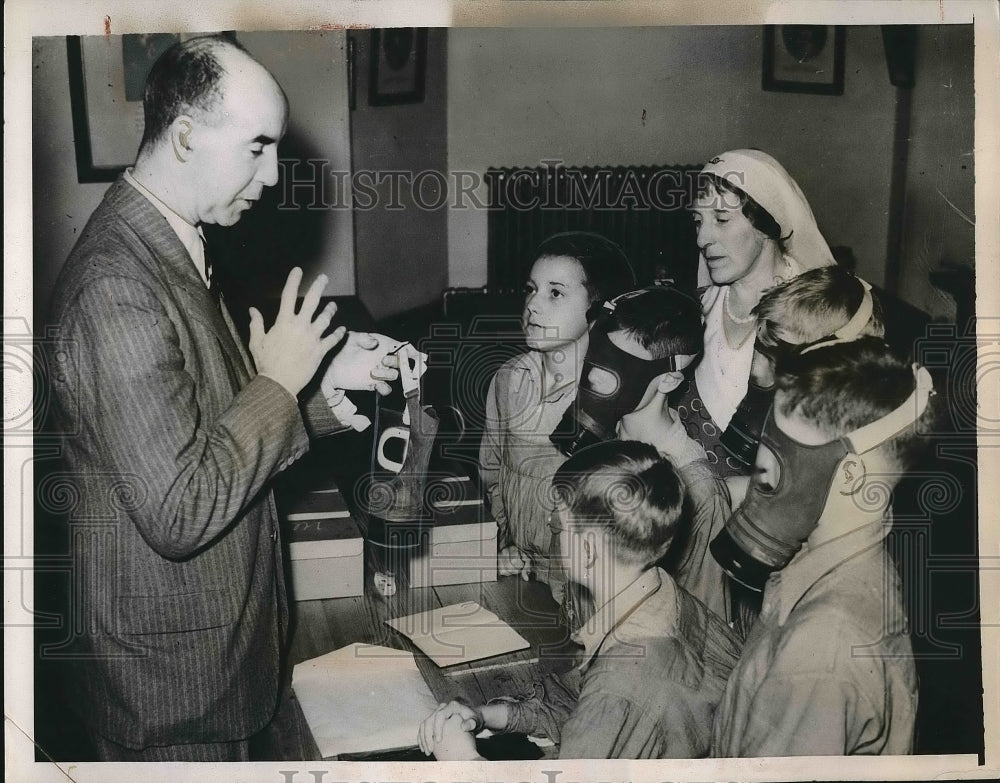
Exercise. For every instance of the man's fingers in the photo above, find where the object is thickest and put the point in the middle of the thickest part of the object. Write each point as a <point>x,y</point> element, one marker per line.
<point>256,325</point>
<point>332,339</point>
<point>365,340</point>
<point>382,373</point>
<point>290,293</point>
<point>311,300</point>
<point>322,321</point>
<point>383,388</point>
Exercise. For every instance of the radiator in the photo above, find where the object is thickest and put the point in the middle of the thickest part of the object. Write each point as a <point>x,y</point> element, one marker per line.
<point>642,208</point>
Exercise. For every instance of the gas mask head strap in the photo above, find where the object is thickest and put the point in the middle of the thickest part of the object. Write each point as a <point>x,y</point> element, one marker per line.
<point>611,304</point>
<point>857,322</point>
<point>893,423</point>
<point>673,363</point>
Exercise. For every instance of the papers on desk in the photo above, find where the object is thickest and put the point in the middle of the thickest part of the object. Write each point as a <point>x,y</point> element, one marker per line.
<point>459,633</point>
<point>362,698</point>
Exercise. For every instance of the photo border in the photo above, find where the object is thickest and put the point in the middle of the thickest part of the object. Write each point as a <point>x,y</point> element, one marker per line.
<point>22,22</point>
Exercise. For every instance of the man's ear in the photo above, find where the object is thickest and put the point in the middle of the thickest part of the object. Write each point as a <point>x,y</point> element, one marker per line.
<point>180,137</point>
<point>850,474</point>
<point>588,544</point>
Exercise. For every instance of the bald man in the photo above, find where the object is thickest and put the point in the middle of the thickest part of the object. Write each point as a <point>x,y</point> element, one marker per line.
<point>179,430</point>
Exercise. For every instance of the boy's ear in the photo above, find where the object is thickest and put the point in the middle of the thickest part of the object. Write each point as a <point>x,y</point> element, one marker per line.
<point>670,381</point>
<point>595,311</point>
<point>850,475</point>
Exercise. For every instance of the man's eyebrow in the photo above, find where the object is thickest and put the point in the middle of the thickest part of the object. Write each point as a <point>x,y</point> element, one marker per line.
<point>262,139</point>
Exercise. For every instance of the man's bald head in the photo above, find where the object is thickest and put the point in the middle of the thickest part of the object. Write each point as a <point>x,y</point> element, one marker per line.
<point>189,79</point>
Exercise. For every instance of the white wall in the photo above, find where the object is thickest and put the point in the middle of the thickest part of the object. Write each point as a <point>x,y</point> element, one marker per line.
<point>61,206</point>
<point>667,95</point>
<point>310,67</point>
<point>401,253</point>
<point>940,167</point>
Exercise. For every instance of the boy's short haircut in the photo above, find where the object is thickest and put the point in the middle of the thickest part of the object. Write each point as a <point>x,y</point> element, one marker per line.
<point>604,263</point>
<point>663,320</point>
<point>844,386</point>
<point>627,488</point>
<point>812,306</point>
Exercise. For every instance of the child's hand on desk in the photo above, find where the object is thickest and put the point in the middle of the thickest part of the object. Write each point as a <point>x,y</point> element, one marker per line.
<point>456,744</point>
<point>511,560</point>
<point>453,718</point>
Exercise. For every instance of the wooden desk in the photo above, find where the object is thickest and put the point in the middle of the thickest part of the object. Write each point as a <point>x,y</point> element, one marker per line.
<point>325,625</point>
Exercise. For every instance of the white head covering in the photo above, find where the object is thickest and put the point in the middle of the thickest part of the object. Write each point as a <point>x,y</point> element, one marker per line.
<point>765,180</point>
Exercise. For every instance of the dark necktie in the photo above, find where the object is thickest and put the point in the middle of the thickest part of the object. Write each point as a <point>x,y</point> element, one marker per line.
<point>213,280</point>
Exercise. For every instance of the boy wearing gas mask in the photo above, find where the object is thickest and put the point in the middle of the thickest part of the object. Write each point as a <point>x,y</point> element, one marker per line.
<point>641,337</point>
<point>828,667</point>
<point>818,305</point>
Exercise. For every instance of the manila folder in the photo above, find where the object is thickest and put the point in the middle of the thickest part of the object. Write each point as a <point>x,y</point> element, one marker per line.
<point>459,633</point>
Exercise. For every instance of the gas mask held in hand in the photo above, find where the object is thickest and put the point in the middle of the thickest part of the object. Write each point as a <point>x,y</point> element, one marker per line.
<point>612,383</point>
<point>766,531</point>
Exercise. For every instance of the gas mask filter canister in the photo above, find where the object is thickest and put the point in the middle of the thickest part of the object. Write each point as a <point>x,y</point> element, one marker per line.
<point>742,435</point>
<point>766,531</point>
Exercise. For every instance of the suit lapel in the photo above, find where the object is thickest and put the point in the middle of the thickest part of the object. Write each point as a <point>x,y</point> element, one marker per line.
<point>175,264</point>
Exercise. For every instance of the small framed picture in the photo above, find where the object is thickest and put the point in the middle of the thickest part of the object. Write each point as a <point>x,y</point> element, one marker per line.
<point>352,67</point>
<point>805,58</point>
<point>107,77</point>
<point>398,65</point>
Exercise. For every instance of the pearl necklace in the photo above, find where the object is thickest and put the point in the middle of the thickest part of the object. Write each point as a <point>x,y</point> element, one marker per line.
<point>748,319</point>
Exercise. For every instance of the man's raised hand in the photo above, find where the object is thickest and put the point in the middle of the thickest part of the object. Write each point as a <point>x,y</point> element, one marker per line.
<point>291,350</point>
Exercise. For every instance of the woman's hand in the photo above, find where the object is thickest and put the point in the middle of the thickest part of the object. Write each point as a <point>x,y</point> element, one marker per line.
<point>432,729</point>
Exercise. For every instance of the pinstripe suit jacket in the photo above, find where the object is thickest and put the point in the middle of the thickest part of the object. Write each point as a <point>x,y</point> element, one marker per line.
<point>174,443</point>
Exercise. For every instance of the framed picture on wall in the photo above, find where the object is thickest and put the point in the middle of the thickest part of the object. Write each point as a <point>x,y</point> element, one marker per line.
<point>107,75</point>
<point>806,58</point>
<point>106,78</point>
<point>398,65</point>
<point>352,67</point>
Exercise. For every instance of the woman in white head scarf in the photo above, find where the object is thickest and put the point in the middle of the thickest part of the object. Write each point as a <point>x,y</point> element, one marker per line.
<point>755,229</point>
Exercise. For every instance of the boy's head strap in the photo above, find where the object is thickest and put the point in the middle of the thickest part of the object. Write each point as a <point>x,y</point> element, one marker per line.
<point>857,322</point>
<point>893,423</point>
